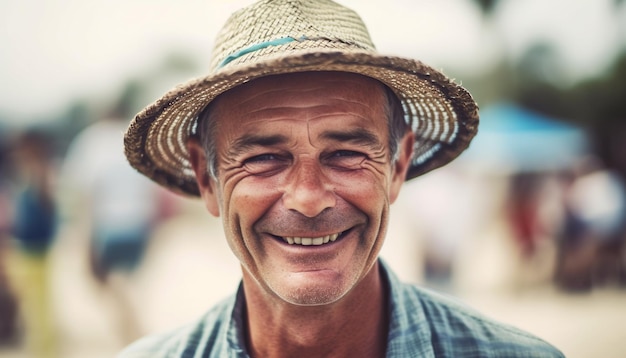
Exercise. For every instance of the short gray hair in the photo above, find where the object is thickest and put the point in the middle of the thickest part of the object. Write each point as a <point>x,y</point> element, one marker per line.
<point>397,125</point>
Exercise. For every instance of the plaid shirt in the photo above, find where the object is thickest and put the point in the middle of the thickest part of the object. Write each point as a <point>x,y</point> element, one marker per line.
<point>422,324</point>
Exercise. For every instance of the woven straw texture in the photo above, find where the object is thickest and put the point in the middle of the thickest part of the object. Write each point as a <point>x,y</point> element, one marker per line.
<point>283,36</point>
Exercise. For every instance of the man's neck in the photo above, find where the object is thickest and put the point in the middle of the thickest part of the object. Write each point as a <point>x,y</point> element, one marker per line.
<point>355,326</point>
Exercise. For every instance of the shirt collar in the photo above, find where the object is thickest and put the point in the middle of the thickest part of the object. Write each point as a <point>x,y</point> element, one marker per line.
<point>409,332</point>
<point>235,335</point>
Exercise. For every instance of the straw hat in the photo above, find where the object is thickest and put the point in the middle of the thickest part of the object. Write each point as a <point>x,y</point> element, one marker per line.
<point>282,36</point>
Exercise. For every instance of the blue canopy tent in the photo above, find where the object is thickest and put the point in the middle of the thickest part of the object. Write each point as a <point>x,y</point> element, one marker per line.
<point>513,139</point>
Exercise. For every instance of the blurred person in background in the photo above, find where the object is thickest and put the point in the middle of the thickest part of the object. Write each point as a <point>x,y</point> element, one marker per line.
<point>523,207</point>
<point>33,227</point>
<point>592,242</point>
<point>300,139</point>
<point>118,210</point>
<point>8,304</point>
<point>534,216</point>
<point>449,192</point>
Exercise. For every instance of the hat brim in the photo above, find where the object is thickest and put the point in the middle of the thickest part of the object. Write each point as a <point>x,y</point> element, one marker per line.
<point>442,114</point>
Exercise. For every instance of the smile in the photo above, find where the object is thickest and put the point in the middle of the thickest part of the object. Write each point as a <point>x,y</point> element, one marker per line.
<point>311,241</point>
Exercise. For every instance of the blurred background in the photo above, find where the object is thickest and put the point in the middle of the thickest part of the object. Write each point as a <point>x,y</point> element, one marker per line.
<point>528,225</point>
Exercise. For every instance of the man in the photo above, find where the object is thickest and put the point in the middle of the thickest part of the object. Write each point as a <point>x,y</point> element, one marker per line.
<point>300,139</point>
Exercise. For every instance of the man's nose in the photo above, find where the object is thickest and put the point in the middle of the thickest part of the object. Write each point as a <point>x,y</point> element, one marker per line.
<point>308,190</point>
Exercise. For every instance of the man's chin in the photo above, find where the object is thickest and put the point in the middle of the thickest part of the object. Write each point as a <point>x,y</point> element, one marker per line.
<point>312,296</point>
<point>313,288</point>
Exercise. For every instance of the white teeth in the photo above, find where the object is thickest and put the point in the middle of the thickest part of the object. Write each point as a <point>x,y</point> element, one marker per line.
<point>308,241</point>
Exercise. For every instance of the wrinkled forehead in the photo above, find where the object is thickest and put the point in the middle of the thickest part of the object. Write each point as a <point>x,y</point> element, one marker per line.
<point>292,88</point>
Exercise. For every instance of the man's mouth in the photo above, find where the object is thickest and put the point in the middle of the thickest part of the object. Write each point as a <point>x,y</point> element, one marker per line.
<point>310,241</point>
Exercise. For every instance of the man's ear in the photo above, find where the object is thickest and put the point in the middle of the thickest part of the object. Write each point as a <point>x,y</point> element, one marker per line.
<point>205,182</point>
<point>401,165</point>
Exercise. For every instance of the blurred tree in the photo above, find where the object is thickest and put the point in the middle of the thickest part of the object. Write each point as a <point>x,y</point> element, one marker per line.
<point>597,104</point>
<point>487,6</point>
<point>77,116</point>
<point>541,63</point>
<point>129,101</point>
<point>178,62</point>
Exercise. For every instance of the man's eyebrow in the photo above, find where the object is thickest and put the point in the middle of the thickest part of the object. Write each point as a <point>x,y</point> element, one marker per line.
<point>248,141</point>
<point>356,136</point>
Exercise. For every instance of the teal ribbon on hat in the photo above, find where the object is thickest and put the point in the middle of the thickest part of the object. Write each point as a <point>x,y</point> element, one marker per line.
<point>256,47</point>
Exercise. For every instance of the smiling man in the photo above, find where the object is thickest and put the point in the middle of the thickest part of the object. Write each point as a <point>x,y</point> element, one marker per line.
<point>300,139</point>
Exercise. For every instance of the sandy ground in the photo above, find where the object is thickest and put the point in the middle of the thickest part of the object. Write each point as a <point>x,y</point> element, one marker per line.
<point>188,267</point>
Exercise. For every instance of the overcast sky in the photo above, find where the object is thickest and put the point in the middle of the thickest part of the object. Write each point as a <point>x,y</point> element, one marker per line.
<point>53,51</point>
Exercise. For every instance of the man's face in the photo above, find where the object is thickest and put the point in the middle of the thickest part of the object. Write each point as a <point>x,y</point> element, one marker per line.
<point>304,181</point>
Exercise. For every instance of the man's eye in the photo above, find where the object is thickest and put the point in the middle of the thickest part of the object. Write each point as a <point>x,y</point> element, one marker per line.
<point>265,163</point>
<point>347,153</point>
<point>346,159</point>
<point>261,158</point>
